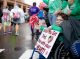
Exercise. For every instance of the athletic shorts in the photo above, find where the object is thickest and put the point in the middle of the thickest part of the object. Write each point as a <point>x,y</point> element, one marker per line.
<point>16,20</point>
<point>7,23</point>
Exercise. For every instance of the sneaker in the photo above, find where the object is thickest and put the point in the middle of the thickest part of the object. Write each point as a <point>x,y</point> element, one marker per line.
<point>4,33</point>
<point>16,34</point>
<point>1,50</point>
<point>10,32</point>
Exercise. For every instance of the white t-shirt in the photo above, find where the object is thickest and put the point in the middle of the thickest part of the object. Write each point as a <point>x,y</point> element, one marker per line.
<point>6,15</point>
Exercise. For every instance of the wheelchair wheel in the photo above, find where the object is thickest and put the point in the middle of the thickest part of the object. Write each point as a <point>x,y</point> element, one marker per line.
<point>60,52</point>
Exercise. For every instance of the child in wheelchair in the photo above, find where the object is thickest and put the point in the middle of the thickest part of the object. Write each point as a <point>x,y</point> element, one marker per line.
<point>73,51</point>
<point>56,27</point>
<point>63,53</point>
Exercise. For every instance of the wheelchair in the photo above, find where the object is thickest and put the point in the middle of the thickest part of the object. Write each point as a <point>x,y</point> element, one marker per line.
<point>59,52</point>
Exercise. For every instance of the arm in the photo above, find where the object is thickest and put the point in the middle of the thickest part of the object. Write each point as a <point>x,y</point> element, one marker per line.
<point>53,27</point>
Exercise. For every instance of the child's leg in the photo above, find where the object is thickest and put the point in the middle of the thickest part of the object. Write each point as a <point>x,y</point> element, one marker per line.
<point>4,27</point>
<point>9,27</point>
<point>32,30</point>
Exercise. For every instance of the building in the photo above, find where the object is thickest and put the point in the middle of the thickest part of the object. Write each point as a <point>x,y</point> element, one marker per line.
<point>11,3</point>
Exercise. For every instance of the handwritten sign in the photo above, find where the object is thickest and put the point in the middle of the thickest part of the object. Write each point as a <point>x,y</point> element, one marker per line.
<point>46,42</point>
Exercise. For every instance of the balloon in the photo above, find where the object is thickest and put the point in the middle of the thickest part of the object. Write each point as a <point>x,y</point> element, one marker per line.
<point>42,5</point>
<point>33,19</point>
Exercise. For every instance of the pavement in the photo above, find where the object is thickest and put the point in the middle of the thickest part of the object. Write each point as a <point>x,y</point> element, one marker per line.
<point>28,53</point>
<point>1,50</point>
<point>15,47</point>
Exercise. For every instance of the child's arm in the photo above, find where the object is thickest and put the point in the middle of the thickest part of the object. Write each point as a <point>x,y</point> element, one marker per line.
<point>53,27</point>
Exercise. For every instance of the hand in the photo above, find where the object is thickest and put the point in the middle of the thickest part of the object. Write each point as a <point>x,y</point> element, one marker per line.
<point>47,30</point>
<point>69,12</point>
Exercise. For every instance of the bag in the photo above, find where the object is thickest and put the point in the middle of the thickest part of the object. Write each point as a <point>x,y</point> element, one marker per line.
<point>16,15</point>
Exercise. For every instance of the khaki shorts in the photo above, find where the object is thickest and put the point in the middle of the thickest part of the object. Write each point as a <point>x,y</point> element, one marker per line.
<point>7,23</point>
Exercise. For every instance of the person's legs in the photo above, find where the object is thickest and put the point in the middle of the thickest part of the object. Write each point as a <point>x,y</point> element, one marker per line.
<point>16,21</point>
<point>17,29</point>
<point>32,30</point>
<point>0,26</point>
<point>4,27</point>
<point>0,23</point>
<point>9,27</point>
<point>52,18</point>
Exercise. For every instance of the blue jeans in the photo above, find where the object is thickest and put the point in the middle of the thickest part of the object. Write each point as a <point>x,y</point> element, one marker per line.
<point>52,18</point>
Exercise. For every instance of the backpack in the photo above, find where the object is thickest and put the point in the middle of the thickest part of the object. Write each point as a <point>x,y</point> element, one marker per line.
<point>5,15</point>
<point>16,15</point>
<point>33,19</point>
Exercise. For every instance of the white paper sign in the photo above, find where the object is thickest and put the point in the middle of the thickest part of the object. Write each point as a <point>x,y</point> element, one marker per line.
<point>46,42</point>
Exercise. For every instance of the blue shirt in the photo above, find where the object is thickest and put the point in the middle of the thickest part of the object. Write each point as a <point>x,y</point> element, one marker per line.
<point>41,14</point>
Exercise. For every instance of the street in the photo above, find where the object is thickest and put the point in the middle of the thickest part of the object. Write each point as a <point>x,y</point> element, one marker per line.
<point>15,46</point>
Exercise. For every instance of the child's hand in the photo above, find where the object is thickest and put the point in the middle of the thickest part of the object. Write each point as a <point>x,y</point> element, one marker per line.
<point>47,30</point>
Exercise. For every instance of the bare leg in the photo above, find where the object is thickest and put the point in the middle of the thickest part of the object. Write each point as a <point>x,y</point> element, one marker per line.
<point>17,29</point>
<point>0,26</point>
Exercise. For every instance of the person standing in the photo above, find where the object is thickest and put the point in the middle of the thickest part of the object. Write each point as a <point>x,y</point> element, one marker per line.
<point>54,7</point>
